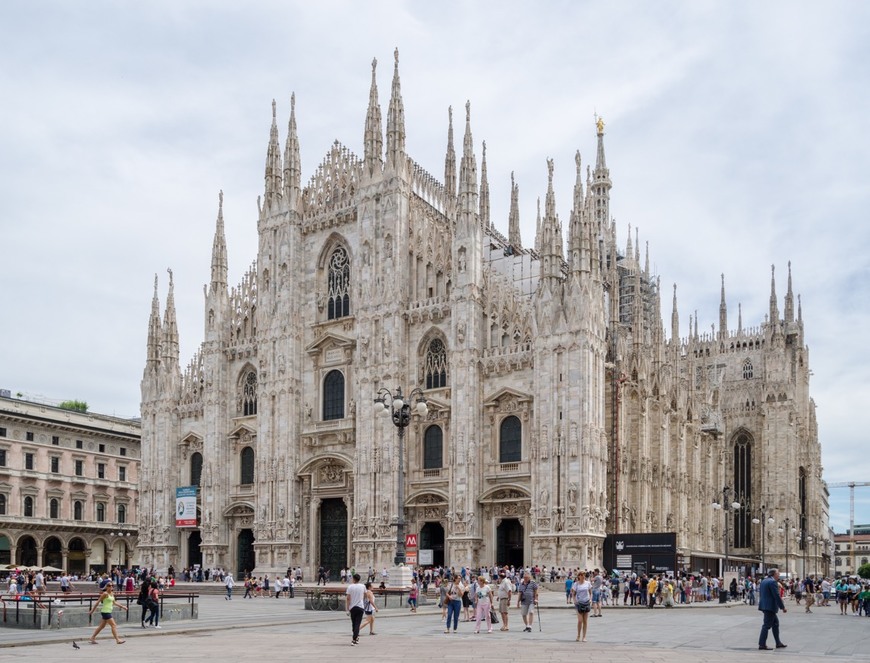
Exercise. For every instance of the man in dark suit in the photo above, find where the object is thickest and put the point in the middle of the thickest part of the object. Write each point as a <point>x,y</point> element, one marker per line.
<point>769,602</point>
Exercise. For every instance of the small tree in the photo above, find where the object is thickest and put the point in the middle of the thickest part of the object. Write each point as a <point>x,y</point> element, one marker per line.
<point>78,406</point>
<point>864,571</point>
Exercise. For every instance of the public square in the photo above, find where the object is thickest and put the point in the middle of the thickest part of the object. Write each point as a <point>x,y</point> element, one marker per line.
<point>270,629</point>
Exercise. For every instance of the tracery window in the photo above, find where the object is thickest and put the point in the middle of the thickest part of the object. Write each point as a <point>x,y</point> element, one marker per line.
<point>333,396</point>
<point>249,394</point>
<point>433,448</point>
<point>742,491</point>
<point>247,466</point>
<point>338,293</point>
<point>510,440</point>
<point>747,370</point>
<point>435,368</point>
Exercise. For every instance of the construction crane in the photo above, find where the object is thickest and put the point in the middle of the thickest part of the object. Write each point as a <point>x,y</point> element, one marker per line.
<point>851,486</point>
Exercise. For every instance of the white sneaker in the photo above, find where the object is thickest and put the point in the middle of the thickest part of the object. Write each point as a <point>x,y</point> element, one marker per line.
<point>158,627</point>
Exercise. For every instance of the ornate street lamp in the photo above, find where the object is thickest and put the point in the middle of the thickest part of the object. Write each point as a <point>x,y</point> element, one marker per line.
<point>764,520</point>
<point>726,508</point>
<point>398,407</point>
<point>787,529</point>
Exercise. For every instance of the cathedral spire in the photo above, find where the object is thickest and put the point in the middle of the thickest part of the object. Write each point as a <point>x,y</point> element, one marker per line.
<point>675,320</point>
<point>514,237</point>
<point>789,298</point>
<point>484,192</point>
<point>629,248</point>
<point>273,163</point>
<point>577,244</point>
<point>450,159</point>
<point>551,246</point>
<point>600,161</point>
<point>468,169</point>
<point>601,182</point>
<point>646,259</point>
<point>538,229</point>
<point>723,312</point>
<point>396,124</point>
<point>219,250</point>
<point>637,246</point>
<point>170,327</point>
<point>774,309</point>
<point>739,318</point>
<point>373,141</point>
<point>154,332</point>
<point>800,313</point>
<point>292,161</point>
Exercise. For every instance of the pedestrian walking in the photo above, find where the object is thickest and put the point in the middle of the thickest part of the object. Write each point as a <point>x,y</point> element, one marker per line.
<point>106,604</point>
<point>228,582</point>
<point>354,604</point>
<point>369,609</point>
<point>153,603</point>
<point>484,605</point>
<point>527,599</point>
<point>454,602</point>
<point>770,602</point>
<point>505,589</point>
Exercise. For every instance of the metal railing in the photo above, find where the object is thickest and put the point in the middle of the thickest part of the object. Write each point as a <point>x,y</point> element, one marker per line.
<point>22,607</point>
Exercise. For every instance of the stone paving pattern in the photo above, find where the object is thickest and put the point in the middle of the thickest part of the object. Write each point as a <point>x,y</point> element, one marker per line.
<point>270,629</point>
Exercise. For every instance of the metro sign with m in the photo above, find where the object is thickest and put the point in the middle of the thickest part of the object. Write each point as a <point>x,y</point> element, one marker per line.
<point>411,540</point>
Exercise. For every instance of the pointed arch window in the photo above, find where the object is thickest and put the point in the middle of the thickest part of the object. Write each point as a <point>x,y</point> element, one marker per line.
<point>54,508</point>
<point>195,469</point>
<point>433,448</point>
<point>247,466</point>
<point>510,440</point>
<point>338,285</point>
<point>78,510</point>
<point>747,370</point>
<point>802,505</point>
<point>743,491</point>
<point>333,396</point>
<point>249,394</point>
<point>435,367</point>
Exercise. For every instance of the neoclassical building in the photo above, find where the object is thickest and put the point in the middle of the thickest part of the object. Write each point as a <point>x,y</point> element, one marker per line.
<point>68,487</point>
<point>558,408</point>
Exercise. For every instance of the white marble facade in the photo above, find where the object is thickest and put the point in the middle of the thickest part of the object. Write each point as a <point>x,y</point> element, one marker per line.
<point>540,368</point>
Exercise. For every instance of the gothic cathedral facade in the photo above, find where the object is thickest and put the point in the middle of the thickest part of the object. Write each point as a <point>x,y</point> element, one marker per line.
<point>558,411</point>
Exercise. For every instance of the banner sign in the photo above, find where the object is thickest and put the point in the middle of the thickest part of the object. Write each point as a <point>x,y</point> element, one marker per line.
<point>185,506</point>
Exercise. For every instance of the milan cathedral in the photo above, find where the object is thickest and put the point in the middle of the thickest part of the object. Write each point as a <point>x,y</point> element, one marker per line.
<point>559,408</point>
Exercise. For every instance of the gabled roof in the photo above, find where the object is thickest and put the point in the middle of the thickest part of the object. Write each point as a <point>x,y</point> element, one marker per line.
<point>330,338</point>
<point>493,400</point>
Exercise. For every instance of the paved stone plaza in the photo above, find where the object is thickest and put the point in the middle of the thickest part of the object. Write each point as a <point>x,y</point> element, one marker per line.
<point>270,629</point>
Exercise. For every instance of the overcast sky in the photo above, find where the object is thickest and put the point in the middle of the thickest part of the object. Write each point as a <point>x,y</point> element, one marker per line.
<point>736,133</point>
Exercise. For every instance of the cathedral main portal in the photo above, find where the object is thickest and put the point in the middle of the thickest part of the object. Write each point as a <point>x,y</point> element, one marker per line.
<point>333,536</point>
<point>245,553</point>
<point>509,543</point>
